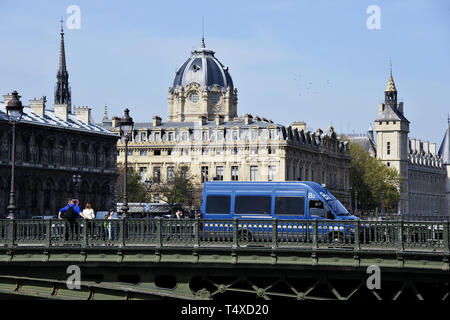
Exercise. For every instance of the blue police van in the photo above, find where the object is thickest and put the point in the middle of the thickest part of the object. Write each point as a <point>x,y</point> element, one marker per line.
<point>249,202</point>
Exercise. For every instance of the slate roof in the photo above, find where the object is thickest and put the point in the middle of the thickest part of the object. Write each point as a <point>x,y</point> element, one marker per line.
<point>391,114</point>
<point>51,120</point>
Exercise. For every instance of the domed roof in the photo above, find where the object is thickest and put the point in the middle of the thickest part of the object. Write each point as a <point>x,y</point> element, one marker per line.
<point>203,68</point>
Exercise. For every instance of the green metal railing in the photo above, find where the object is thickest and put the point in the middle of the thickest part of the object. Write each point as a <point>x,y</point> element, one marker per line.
<point>396,235</point>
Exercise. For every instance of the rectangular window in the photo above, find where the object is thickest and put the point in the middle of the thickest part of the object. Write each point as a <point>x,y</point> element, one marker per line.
<point>170,174</point>
<point>254,134</point>
<point>219,135</point>
<point>219,173</point>
<point>204,174</point>
<point>272,134</point>
<point>142,136</point>
<point>205,136</point>
<point>143,153</point>
<point>235,135</point>
<point>219,151</point>
<point>157,136</point>
<point>50,155</point>
<point>204,151</point>
<point>234,173</point>
<point>170,136</point>
<point>286,206</point>
<point>317,209</point>
<point>218,204</point>
<point>253,204</point>
<point>94,160</point>
<point>253,173</point>
<point>388,147</point>
<point>61,155</point>
<point>272,172</point>
<point>157,152</point>
<point>184,152</point>
<point>169,152</point>
<point>184,136</point>
<point>143,173</point>
<point>234,151</point>
<point>254,150</point>
<point>271,150</point>
<point>84,159</point>
<point>105,159</point>
<point>157,175</point>
<point>73,158</point>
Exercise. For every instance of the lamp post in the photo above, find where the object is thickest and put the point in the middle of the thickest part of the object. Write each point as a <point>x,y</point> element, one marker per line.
<point>14,111</point>
<point>76,179</point>
<point>356,201</point>
<point>126,126</point>
<point>382,202</point>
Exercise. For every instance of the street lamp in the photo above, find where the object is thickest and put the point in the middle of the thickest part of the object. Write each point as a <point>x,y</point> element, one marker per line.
<point>382,202</point>
<point>76,179</point>
<point>14,111</point>
<point>126,127</point>
<point>356,201</point>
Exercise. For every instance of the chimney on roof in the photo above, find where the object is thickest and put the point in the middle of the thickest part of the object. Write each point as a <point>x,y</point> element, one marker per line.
<point>248,118</point>
<point>38,106</point>
<point>156,121</point>
<point>203,119</point>
<point>115,121</point>
<point>61,111</point>
<point>299,125</point>
<point>6,98</point>
<point>219,119</point>
<point>83,114</point>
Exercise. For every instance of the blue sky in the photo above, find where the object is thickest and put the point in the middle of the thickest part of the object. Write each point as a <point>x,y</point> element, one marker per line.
<point>313,61</point>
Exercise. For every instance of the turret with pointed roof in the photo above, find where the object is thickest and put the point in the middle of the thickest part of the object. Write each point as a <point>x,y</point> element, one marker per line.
<point>62,89</point>
<point>444,150</point>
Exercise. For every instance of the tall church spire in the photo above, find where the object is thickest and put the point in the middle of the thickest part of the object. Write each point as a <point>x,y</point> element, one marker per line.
<point>62,89</point>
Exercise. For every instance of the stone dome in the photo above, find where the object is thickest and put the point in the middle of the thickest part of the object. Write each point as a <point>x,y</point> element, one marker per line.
<point>203,68</point>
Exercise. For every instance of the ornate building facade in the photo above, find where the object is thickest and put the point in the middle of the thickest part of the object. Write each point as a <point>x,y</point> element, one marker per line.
<point>204,132</point>
<point>51,147</point>
<point>423,190</point>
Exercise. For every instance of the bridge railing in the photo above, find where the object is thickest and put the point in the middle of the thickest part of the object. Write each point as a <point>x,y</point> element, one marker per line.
<point>397,235</point>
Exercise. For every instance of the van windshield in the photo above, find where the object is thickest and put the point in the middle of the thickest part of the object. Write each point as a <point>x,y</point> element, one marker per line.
<point>338,207</point>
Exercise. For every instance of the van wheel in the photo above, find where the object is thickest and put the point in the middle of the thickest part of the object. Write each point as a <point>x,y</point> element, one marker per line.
<point>244,235</point>
<point>335,237</point>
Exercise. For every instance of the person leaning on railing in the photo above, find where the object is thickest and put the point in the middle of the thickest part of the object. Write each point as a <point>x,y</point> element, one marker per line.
<point>88,212</point>
<point>71,212</point>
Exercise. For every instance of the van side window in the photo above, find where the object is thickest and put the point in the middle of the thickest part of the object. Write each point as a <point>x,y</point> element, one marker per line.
<point>317,209</point>
<point>218,204</point>
<point>290,206</point>
<point>253,204</point>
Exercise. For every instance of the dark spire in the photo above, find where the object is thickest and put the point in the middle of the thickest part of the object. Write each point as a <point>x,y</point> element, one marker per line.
<point>62,89</point>
<point>203,32</point>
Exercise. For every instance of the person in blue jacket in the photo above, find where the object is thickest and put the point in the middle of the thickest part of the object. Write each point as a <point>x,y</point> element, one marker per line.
<point>72,203</point>
<point>71,212</point>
